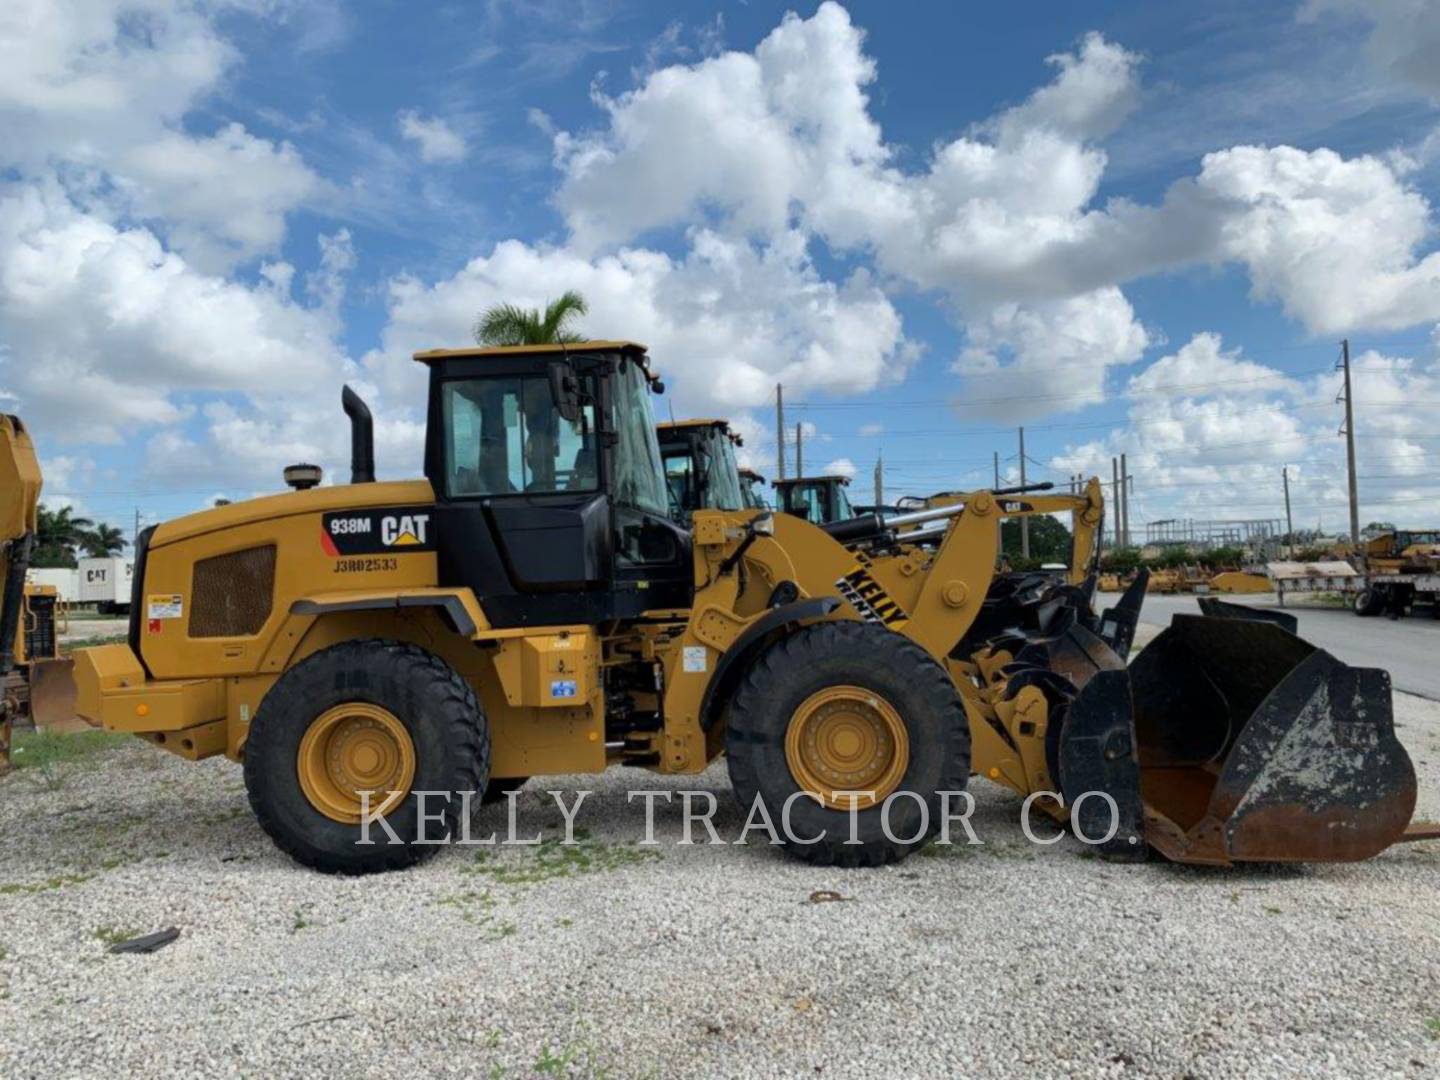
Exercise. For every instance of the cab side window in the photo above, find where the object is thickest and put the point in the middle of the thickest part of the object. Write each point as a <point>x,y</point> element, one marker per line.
<point>503,436</point>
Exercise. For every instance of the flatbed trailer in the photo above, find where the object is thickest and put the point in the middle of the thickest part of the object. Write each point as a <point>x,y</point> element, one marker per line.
<point>1368,593</point>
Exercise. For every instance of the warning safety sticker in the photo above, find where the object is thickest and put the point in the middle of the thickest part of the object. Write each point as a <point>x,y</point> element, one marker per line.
<point>165,607</point>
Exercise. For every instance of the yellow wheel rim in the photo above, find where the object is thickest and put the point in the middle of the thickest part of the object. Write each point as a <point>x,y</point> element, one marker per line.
<point>847,738</point>
<point>352,748</point>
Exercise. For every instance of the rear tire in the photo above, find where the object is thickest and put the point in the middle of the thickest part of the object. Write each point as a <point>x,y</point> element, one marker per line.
<point>1369,602</point>
<point>908,685</point>
<point>408,688</point>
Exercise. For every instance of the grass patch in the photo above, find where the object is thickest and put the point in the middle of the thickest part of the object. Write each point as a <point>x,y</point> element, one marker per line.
<point>578,1058</point>
<point>48,754</point>
<point>68,647</point>
<point>1432,1027</point>
<point>550,859</point>
<point>27,888</point>
<point>478,909</point>
<point>113,935</point>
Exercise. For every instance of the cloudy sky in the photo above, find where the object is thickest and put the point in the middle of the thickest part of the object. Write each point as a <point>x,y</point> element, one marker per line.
<point>1130,227</point>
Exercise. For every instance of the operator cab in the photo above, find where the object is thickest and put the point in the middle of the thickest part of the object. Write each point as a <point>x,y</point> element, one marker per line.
<point>550,493</point>
<point>819,499</point>
<point>752,490</point>
<point>700,469</point>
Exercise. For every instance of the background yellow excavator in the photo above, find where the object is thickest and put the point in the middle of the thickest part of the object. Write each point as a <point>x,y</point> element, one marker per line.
<point>530,608</point>
<point>35,683</point>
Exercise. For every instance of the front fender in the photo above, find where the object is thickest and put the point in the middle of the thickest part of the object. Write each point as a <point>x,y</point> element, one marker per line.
<point>731,666</point>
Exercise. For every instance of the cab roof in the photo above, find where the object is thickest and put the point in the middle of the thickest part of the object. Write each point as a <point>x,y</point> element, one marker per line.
<point>629,347</point>
<point>677,425</point>
<point>813,480</point>
<point>699,424</point>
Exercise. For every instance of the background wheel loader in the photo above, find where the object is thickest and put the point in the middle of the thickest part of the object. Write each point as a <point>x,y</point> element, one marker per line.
<point>700,469</point>
<point>818,499</point>
<point>752,490</point>
<point>530,608</point>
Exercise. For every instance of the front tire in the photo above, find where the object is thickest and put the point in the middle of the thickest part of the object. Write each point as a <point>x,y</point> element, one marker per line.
<point>1369,602</point>
<point>859,707</point>
<point>365,715</point>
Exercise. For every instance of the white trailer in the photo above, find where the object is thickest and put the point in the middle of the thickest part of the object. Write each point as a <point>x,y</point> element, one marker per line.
<point>64,580</point>
<point>106,583</point>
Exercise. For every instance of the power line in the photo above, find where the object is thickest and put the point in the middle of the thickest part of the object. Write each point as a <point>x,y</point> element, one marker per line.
<point>967,402</point>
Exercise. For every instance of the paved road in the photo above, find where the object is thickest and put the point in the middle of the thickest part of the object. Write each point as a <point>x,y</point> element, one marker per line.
<point>1408,648</point>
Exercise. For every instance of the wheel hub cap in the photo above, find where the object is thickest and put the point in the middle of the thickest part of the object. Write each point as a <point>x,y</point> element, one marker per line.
<point>847,738</point>
<point>352,748</point>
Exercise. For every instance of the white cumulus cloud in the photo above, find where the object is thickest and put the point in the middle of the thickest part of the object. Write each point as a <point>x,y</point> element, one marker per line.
<point>726,321</point>
<point>436,140</point>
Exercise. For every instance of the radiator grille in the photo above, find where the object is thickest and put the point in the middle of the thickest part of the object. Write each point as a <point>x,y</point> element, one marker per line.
<point>231,595</point>
<point>40,628</point>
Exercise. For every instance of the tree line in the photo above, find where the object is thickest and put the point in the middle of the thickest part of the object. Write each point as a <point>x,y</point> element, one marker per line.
<point>62,538</point>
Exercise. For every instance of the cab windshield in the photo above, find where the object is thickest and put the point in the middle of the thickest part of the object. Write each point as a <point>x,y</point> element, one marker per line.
<point>679,480</point>
<point>722,475</point>
<point>843,510</point>
<point>639,473</point>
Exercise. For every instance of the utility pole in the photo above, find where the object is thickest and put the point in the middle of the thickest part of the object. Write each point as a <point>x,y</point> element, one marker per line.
<point>799,461</point>
<point>1129,490</point>
<point>880,479</point>
<point>780,431</point>
<point>1289,524</point>
<point>1350,444</point>
<point>1024,521</point>
<point>135,536</point>
<point>1115,492</point>
<point>1124,503</point>
<point>997,468</point>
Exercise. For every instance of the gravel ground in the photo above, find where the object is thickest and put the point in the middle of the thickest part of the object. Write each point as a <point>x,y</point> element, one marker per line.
<point>612,959</point>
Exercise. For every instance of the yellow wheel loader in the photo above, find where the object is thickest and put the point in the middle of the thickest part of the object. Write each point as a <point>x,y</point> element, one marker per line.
<point>700,469</point>
<point>752,490</point>
<point>818,499</point>
<point>529,608</point>
<point>35,682</point>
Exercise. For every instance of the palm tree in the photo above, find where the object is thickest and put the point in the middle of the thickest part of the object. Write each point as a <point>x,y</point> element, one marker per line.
<point>58,535</point>
<point>506,324</point>
<point>103,540</point>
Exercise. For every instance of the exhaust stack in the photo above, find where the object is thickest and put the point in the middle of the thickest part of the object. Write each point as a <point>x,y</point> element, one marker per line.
<point>362,437</point>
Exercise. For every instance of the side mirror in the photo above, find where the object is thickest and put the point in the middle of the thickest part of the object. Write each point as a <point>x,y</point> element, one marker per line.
<point>564,389</point>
